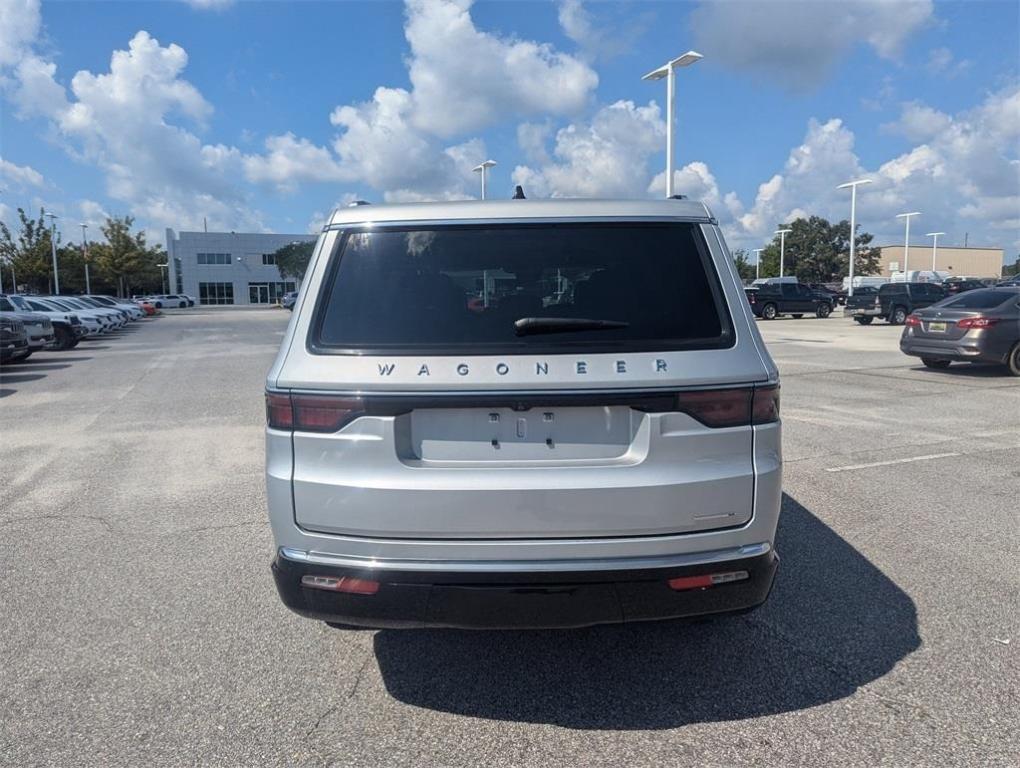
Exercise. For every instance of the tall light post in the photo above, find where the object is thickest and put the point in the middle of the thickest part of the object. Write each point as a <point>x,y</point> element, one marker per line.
<point>53,248</point>
<point>906,240</point>
<point>668,71</point>
<point>483,169</point>
<point>85,255</point>
<point>757,262</point>
<point>782,247</point>
<point>934,246</point>
<point>853,226</point>
<point>162,274</point>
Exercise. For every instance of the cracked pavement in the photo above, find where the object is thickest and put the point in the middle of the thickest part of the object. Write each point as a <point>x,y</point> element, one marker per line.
<point>141,624</point>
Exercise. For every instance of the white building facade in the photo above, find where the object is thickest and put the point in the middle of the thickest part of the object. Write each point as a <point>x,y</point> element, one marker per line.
<point>228,267</point>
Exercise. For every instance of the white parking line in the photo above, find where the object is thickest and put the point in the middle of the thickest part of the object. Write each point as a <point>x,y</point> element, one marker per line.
<point>891,461</point>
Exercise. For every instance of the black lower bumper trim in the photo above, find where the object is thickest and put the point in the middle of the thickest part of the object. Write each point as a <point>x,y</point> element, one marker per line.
<point>522,600</point>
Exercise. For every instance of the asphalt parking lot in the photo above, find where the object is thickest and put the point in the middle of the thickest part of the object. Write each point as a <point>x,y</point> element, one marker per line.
<point>141,624</point>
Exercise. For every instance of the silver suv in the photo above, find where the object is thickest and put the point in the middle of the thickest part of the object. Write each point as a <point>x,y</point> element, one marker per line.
<point>523,413</point>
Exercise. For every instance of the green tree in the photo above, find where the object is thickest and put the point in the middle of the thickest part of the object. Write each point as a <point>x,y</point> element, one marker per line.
<point>292,259</point>
<point>125,260</point>
<point>1012,269</point>
<point>28,256</point>
<point>745,269</point>
<point>819,252</point>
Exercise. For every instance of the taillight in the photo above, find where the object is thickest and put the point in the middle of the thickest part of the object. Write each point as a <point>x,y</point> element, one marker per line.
<point>348,584</point>
<point>717,407</point>
<point>731,407</point>
<point>976,322</point>
<point>912,320</point>
<point>878,303</point>
<point>311,413</point>
<point>765,405</point>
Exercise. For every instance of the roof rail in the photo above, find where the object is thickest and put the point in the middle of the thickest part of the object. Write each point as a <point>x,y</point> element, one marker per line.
<point>678,197</point>
<point>356,203</point>
<point>518,193</point>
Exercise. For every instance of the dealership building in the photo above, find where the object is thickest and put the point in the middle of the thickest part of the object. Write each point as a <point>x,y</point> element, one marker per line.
<point>228,267</point>
<point>965,262</point>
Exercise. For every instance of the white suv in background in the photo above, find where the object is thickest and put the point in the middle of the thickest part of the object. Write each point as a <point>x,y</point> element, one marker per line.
<point>522,413</point>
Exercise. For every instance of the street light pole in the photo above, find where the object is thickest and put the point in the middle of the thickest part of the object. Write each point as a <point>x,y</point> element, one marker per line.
<point>162,275</point>
<point>853,226</point>
<point>85,256</point>
<point>782,248</point>
<point>934,246</point>
<point>483,169</point>
<point>668,71</point>
<point>53,248</point>
<point>906,240</point>
<point>757,262</point>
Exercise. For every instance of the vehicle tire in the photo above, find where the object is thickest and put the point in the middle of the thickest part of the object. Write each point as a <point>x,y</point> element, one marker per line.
<point>65,337</point>
<point>898,316</point>
<point>182,305</point>
<point>21,358</point>
<point>824,310</point>
<point>1013,360</point>
<point>863,320</point>
<point>932,362</point>
<point>769,311</point>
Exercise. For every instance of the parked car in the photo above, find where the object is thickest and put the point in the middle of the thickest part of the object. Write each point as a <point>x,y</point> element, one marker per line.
<point>832,290</point>
<point>861,306</point>
<point>115,318</point>
<point>147,307</point>
<point>960,285</point>
<point>171,301</point>
<point>1009,282</point>
<point>68,329</point>
<point>980,326</point>
<point>94,323</point>
<point>191,299</point>
<point>287,302</point>
<point>13,339</point>
<point>769,300</point>
<point>38,328</point>
<point>550,459</point>
<point>895,301</point>
<point>130,307</point>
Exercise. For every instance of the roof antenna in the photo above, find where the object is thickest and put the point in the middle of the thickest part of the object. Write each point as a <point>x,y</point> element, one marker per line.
<point>518,193</point>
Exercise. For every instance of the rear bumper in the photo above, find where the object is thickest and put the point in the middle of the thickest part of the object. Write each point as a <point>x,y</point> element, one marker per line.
<point>861,312</point>
<point>958,350</point>
<point>519,600</point>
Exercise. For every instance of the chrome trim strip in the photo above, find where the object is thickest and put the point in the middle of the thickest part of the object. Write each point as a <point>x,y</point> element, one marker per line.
<point>527,566</point>
<point>516,392</point>
<point>368,222</point>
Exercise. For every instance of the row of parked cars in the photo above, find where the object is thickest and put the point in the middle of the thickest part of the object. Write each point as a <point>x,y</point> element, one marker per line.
<point>29,324</point>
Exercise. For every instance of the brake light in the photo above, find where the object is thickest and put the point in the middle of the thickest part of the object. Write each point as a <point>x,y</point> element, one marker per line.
<point>912,320</point>
<point>717,407</point>
<point>878,303</point>
<point>311,413</point>
<point>731,407</point>
<point>976,322</point>
<point>765,405</point>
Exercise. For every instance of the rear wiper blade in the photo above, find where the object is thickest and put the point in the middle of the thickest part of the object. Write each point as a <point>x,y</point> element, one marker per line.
<point>532,325</point>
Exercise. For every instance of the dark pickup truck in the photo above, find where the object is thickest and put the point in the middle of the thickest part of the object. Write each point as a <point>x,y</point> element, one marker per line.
<point>893,301</point>
<point>861,306</point>
<point>770,300</point>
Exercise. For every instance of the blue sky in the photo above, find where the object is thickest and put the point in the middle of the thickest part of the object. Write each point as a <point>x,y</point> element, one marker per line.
<point>262,115</point>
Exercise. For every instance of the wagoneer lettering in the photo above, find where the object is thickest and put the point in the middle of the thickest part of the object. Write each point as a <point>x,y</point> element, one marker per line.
<point>478,400</point>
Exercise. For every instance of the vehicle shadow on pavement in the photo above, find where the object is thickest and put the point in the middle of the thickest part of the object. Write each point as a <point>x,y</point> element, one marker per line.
<point>969,370</point>
<point>833,623</point>
<point>6,377</point>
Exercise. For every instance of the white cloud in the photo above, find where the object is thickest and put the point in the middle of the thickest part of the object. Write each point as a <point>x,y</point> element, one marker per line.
<point>607,157</point>
<point>942,61</point>
<point>22,175</point>
<point>798,43</point>
<point>20,21</point>
<point>599,41</point>
<point>289,160</point>
<point>697,182</point>
<point>464,79</point>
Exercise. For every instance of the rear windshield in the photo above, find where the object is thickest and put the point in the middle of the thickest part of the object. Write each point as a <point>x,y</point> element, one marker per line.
<point>457,288</point>
<point>980,300</point>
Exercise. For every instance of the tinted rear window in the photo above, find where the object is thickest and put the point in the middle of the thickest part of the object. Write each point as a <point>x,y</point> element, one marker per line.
<point>981,300</point>
<point>462,288</point>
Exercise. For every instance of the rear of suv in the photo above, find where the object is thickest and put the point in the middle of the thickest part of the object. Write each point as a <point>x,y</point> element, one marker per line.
<point>522,414</point>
